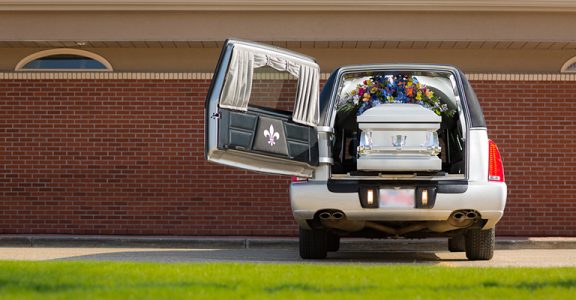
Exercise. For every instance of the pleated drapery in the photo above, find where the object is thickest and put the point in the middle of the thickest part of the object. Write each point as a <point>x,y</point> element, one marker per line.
<point>238,82</point>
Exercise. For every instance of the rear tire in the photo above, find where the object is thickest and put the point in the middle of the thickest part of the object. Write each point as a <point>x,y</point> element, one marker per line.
<point>457,243</point>
<point>332,242</point>
<point>313,244</point>
<point>480,244</point>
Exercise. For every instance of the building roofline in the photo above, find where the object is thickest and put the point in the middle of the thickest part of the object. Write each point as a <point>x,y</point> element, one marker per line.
<point>289,5</point>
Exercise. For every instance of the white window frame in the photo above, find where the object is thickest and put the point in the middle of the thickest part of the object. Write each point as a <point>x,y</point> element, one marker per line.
<point>238,83</point>
<point>566,67</point>
<point>65,51</point>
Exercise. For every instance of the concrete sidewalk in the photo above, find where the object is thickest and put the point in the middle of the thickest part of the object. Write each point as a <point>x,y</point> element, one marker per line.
<point>216,242</point>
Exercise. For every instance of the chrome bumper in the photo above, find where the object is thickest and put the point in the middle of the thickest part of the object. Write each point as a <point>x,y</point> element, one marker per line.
<point>488,198</point>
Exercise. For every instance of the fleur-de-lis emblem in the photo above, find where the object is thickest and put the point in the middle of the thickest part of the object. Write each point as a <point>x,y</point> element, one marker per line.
<point>271,135</point>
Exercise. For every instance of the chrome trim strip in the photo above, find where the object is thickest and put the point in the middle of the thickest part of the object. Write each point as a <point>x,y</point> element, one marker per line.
<point>326,160</point>
<point>324,129</point>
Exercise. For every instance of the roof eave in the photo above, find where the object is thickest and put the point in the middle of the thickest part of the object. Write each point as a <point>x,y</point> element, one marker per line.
<point>290,5</point>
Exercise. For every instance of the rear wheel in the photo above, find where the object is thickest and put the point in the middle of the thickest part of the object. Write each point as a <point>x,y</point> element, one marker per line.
<point>480,244</point>
<point>457,243</point>
<point>333,242</point>
<point>313,244</point>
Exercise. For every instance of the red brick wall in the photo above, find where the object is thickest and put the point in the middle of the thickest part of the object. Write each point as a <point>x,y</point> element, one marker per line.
<point>275,94</point>
<point>126,157</point>
<point>123,157</point>
<point>534,126</point>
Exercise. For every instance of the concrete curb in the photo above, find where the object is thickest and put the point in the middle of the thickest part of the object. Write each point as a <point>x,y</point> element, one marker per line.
<point>184,242</point>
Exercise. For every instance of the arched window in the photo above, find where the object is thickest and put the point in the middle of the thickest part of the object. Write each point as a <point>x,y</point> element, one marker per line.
<point>64,60</point>
<point>569,66</point>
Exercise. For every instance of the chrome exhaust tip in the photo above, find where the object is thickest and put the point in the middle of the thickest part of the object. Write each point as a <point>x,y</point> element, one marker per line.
<point>463,218</point>
<point>458,216</point>
<point>338,215</point>
<point>325,215</point>
<point>331,215</point>
<point>471,215</point>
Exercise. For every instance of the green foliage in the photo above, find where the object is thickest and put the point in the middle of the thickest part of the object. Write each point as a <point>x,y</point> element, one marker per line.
<point>97,280</point>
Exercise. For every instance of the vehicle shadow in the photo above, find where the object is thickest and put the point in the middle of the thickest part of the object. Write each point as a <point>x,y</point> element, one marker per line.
<point>263,256</point>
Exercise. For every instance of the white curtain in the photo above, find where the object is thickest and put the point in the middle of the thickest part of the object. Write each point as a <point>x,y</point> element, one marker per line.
<point>238,82</point>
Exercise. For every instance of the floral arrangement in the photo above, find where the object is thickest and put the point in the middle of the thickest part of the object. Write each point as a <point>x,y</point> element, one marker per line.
<point>380,89</point>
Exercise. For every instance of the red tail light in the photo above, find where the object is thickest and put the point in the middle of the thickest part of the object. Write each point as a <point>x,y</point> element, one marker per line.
<point>495,167</point>
<point>299,179</point>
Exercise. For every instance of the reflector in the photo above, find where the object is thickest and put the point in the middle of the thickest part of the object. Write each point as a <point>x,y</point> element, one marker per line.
<point>298,179</point>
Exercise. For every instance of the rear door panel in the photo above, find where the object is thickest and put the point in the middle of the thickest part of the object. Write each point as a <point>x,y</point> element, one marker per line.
<point>241,132</point>
<point>258,132</point>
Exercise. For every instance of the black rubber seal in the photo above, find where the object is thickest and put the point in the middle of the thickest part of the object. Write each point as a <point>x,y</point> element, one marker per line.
<point>442,187</point>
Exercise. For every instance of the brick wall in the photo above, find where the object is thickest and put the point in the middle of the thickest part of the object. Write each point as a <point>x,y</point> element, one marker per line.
<point>93,156</point>
<point>534,125</point>
<point>123,157</point>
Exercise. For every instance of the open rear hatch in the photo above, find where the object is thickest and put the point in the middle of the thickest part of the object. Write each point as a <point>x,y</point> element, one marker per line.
<point>398,125</point>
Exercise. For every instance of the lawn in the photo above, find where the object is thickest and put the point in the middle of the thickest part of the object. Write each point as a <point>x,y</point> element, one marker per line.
<point>73,280</point>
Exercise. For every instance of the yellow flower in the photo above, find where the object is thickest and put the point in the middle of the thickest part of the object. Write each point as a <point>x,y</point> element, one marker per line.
<point>390,98</point>
<point>366,97</point>
<point>409,84</point>
<point>373,90</point>
<point>429,93</point>
<point>353,92</point>
<point>418,96</point>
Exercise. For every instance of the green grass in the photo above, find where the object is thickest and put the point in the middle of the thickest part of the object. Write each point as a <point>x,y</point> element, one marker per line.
<point>74,280</point>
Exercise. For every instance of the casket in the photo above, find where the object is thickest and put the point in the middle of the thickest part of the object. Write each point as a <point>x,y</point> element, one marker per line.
<point>399,137</point>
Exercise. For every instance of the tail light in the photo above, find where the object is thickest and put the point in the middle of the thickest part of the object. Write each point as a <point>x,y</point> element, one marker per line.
<point>299,179</point>
<point>495,167</point>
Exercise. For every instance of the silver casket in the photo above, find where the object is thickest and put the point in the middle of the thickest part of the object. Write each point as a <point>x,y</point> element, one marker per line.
<point>399,137</point>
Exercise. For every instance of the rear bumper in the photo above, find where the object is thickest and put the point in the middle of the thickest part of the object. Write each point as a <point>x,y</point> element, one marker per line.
<point>488,198</point>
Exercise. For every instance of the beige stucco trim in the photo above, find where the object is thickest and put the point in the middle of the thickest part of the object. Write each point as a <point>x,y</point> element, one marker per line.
<point>291,5</point>
<point>291,29</point>
<point>104,76</point>
<point>57,51</point>
<point>523,77</point>
<point>208,76</point>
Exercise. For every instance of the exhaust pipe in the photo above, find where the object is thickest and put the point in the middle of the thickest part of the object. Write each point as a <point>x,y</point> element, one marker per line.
<point>336,219</point>
<point>463,218</point>
<point>331,215</point>
<point>338,215</point>
<point>325,215</point>
<point>458,217</point>
<point>472,215</point>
